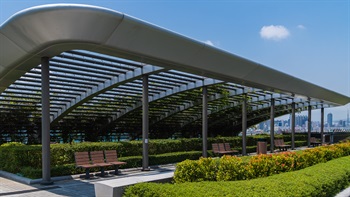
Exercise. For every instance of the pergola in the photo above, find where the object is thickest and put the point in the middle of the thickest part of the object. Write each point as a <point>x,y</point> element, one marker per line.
<point>67,65</point>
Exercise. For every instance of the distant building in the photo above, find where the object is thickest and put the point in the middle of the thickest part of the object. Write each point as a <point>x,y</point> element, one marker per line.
<point>261,125</point>
<point>330,119</point>
<point>342,123</point>
<point>300,120</point>
<point>279,123</point>
<point>348,119</point>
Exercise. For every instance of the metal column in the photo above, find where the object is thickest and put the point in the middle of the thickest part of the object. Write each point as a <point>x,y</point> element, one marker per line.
<point>145,119</point>
<point>309,126</point>
<point>293,126</point>
<point>45,121</point>
<point>272,125</point>
<point>244,126</point>
<point>205,122</point>
<point>322,124</point>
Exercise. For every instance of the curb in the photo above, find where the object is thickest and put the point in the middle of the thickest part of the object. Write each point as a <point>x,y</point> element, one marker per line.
<point>29,181</point>
<point>344,193</point>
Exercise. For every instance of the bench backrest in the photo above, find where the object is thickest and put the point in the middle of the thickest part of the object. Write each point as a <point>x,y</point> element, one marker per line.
<point>277,142</point>
<point>97,157</point>
<point>282,142</point>
<point>81,158</point>
<point>111,155</point>
<point>215,147</point>
<point>312,139</point>
<point>227,146</point>
<point>221,147</point>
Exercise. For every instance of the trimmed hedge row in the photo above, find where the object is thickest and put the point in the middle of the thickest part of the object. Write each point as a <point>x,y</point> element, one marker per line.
<point>229,168</point>
<point>16,157</point>
<point>325,179</point>
<point>132,162</point>
<point>30,155</point>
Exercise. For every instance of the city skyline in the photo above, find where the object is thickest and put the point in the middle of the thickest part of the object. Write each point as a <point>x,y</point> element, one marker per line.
<point>316,114</point>
<point>301,122</point>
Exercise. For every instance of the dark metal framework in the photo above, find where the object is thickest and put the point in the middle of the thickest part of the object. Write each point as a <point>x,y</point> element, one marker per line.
<point>96,96</point>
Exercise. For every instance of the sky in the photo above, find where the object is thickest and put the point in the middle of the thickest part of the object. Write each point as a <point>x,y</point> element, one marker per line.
<point>307,39</point>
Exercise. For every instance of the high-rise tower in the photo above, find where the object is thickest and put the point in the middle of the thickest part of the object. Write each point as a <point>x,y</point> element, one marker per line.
<point>330,119</point>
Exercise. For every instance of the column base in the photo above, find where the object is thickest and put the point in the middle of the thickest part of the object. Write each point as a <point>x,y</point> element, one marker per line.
<point>46,182</point>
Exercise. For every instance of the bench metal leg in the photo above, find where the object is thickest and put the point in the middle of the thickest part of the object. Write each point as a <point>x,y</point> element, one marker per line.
<point>102,171</point>
<point>116,171</point>
<point>87,173</point>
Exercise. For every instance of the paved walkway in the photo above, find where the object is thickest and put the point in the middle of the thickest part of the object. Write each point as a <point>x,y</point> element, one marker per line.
<point>71,188</point>
<point>61,188</point>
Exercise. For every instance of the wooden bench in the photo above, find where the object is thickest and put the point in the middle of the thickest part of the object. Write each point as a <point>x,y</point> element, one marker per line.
<point>98,159</point>
<point>223,149</point>
<point>314,142</point>
<point>228,148</point>
<point>112,158</point>
<point>279,143</point>
<point>82,161</point>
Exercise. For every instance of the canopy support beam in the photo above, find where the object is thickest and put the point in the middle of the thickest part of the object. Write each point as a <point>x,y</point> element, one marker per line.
<point>205,122</point>
<point>45,121</point>
<point>145,123</point>
<point>272,125</point>
<point>309,126</point>
<point>322,124</point>
<point>244,125</point>
<point>293,126</point>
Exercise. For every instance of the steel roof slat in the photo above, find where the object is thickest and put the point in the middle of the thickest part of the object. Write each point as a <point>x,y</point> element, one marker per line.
<point>66,77</point>
<point>82,68</point>
<point>74,73</point>
<point>105,66</point>
<point>105,58</point>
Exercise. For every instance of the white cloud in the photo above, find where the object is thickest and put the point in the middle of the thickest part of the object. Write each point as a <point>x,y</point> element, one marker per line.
<point>274,32</point>
<point>301,27</point>
<point>208,42</point>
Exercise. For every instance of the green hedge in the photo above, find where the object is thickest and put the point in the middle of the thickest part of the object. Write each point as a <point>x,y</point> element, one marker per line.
<point>64,153</point>
<point>229,168</point>
<point>325,179</point>
<point>132,162</point>
<point>14,157</point>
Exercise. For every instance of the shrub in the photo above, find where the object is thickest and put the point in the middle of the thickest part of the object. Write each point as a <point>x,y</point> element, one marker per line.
<point>260,166</point>
<point>31,172</point>
<point>232,168</point>
<point>325,179</point>
<point>202,170</point>
<point>14,158</point>
<point>266,165</point>
<point>285,162</point>
<point>12,144</point>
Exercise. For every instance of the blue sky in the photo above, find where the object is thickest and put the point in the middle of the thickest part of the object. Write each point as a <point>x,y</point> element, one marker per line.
<point>307,39</point>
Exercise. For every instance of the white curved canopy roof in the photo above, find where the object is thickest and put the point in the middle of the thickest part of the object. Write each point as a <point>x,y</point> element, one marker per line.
<point>51,29</point>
